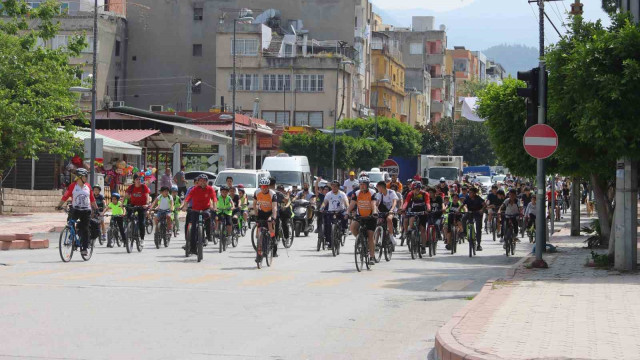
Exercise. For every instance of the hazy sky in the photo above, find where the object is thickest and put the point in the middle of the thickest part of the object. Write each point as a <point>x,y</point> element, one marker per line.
<point>479,24</point>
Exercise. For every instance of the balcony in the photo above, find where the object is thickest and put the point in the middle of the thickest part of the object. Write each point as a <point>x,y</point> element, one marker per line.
<point>437,82</point>
<point>437,106</point>
<point>434,59</point>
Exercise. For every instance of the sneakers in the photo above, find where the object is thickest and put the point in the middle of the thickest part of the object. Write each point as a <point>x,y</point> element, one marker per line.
<point>372,261</point>
<point>84,252</point>
<point>448,247</point>
<point>479,248</point>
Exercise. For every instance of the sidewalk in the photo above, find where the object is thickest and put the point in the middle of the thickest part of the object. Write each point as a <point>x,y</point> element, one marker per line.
<point>568,311</point>
<point>31,223</point>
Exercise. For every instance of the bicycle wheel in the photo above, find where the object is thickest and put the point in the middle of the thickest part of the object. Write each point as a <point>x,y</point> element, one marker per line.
<point>187,241</point>
<point>176,226</point>
<point>100,238</point>
<point>507,240</point>
<point>493,227</point>
<point>149,226</point>
<point>234,240</point>
<point>223,239</point>
<point>359,254</point>
<point>167,238</point>
<point>157,237</point>
<point>89,250</point>
<point>388,249</point>
<point>268,255</point>
<point>471,238</point>
<point>253,237</point>
<point>453,239</point>
<point>139,242</point>
<point>411,245</point>
<point>65,244</point>
<point>287,241</point>
<point>243,227</point>
<point>378,238</point>
<point>433,243</point>
<point>130,237</point>
<point>200,243</point>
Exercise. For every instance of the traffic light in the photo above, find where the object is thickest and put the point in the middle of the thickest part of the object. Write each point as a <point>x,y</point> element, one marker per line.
<point>530,93</point>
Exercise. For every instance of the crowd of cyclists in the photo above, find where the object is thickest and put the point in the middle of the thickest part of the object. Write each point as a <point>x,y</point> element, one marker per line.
<point>389,204</point>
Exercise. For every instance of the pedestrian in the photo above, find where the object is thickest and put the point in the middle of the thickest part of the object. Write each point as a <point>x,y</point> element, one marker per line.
<point>180,180</point>
<point>348,184</point>
<point>165,179</point>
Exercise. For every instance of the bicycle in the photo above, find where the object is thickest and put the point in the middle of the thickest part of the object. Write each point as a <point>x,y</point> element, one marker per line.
<point>132,229</point>
<point>267,244</point>
<point>221,231</point>
<point>455,235</point>
<point>70,241</point>
<point>162,234</point>
<point>531,232</point>
<point>336,231</point>
<point>200,235</point>
<point>176,223</point>
<point>414,239</point>
<point>113,232</point>
<point>382,240</point>
<point>471,234</point>
<point>494,223</point>
<point>321,241</point>
<point>361,251</point>
<point>286,241</point>
<point>509,238</point>
<point>149,223</point>
<point>432,239</point>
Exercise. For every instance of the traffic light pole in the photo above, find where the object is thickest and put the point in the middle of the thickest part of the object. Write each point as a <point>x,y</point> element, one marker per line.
<point>541,228</point>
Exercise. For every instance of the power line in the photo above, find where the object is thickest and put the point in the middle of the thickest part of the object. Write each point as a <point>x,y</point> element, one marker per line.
<point>552,24</point>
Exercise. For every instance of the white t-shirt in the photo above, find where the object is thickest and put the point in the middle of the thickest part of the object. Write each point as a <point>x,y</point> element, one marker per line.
<point>164,203</point>
<point>348,184</point>
<point>81,198</point>
<point>337,202</point>
<point>387,200</point>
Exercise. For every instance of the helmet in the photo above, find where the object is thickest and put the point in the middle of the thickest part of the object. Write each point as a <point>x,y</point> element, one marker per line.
<point>203,176</point>
<point>355,185</point>
<point>416,185</point>
<point>240,187</point>
<point>115,195</point>
<point>174,188</point>
<point>443,179</point>
<point>364,179</point>
<point>82,172</point>
<point>335,182</point>
<point>224,187</point>
<point>264,181</point>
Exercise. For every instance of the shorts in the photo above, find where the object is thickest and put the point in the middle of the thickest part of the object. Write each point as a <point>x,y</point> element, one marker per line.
<point>370,224</point>
<point>263,216</point>
<point>159,213</point>
<point>224,218</point>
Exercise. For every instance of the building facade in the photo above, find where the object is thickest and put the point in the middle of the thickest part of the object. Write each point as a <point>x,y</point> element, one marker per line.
<point>464,67</point>
<point>495,72</point>
<point>388,86</point>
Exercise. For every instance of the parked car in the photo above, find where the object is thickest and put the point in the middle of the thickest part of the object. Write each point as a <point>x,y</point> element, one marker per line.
<point>248,178</point>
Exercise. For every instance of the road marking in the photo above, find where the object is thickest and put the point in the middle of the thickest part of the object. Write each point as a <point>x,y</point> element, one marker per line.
<point>453,285</point>
<point>208,278</point>
<point>146,277</point>
<point>329,282</point>
<point>266,280</point>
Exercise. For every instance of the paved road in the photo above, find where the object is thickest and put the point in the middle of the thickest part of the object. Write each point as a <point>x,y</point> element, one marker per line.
<point>159,305</point>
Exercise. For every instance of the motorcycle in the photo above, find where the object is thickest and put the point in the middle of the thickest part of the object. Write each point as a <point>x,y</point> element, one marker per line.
<point>301,223</point>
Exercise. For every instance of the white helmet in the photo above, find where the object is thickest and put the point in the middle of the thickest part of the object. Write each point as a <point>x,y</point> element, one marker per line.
<point>265,181</point>
<point>443,179</point>
<point>364,180</point>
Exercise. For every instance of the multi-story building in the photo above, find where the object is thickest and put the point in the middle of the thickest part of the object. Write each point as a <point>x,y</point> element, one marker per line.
<point>481,70</point>
<point>296,81</point>
<point>388,85</point>
<point>423,50</point>
<point>76,18</point>
<point>172,42</point>
<point>464,67</point>
<point>495,72</point>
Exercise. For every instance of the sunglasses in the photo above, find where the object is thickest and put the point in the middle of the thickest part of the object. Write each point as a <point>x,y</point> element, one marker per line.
<point>264,186</point>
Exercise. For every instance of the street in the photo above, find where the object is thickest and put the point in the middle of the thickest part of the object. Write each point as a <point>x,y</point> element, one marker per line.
<point>160,305</point>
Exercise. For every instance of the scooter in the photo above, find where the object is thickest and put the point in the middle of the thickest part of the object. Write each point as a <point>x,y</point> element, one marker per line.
<point>301,223</point>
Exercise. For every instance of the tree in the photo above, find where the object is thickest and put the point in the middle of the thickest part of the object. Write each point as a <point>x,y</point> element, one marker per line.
<point>435,140</point>
<point>35,101</point>
<point>472,142</point>
<point>404,139</point>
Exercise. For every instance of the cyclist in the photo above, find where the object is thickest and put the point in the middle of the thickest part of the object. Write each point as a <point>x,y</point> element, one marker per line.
<point>101,205</point>
<point>138,196</point>
<point>493,203</point>
<point>82,201</point>
<point>177,203</point>
<point>464,194</point>
<point>265,204</point>
<point>163,205</point>
<point>510,210</point>
<point>525,196</point>
<point>225,207</point>
<point>366,207</point>
<point>475,206</point>
<point>243,204</point>
<point>530,213</point>
<point>284,211</point>
<point>453,219</point>
<point>437,206</point>
<point>117,213</point>
<point>394,181</point>
<point>204,199</point>
<point>418,201</point>
<point>387,201</point>
<point>335,200</point>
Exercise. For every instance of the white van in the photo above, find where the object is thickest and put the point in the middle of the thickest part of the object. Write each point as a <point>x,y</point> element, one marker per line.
<point>288,170</point>
<point>248,178</point>
<point>375,175</point>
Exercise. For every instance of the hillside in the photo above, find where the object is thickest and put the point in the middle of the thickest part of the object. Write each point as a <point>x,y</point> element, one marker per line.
<point>513,58</point>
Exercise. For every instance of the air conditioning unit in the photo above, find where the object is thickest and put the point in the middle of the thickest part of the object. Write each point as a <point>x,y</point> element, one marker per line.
<point>156,108</point>
<point>115,104</point>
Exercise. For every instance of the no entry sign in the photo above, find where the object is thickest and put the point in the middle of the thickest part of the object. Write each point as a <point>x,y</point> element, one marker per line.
<point>540,141</point>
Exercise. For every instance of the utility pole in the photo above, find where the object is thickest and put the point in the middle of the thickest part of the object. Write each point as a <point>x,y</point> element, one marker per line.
<point>541,233</point>
<point>189,92</point>
<point>94,95</point>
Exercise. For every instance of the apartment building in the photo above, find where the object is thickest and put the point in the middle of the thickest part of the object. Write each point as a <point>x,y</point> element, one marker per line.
<point>296,81</point>
<point>495,72</point>
<point>464,67</point>
<point>423,50</point>
<point>388,85</point>
<point>76,18</point>
<point>172,42</point>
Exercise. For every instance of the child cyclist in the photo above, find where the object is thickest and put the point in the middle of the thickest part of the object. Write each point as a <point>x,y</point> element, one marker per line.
<point>177,203</point>
<point>225,209</point>
<point>164,205</point>
<point>117,215</point>
<point>101,206</point>
<point>453,218</point>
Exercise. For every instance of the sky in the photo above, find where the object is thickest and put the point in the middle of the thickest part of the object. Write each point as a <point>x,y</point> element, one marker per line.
<point>480,24</point>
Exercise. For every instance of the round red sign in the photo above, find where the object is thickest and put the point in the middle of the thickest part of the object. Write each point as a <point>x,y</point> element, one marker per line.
<point>540,141</point>
<point>390,166</point>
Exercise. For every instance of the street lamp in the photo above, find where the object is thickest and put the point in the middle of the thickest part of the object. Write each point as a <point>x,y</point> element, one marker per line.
<point>336,115</point>
<point>233,125</point>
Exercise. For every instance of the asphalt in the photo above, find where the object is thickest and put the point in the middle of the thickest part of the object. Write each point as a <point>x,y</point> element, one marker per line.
<point>160,305</point>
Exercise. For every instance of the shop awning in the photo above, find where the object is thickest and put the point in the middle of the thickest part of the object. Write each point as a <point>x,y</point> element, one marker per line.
<point>111,145</point>
<point>128,136</point>
<point>225,127</point>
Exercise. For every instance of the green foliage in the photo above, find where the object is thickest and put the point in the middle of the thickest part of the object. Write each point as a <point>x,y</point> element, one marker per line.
<point>350,152</point>
<point>436,138</point>
<point>471,87</point>
<point>34,85</point>
<point>404,139</point>
<point>472,142</point>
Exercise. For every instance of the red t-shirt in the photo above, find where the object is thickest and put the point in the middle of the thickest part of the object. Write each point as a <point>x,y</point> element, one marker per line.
<point>138,195</point>
<point>201,197</point>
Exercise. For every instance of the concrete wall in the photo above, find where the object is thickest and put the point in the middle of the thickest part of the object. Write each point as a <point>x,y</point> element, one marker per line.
<point>162,39</point>
<point>29,201</point>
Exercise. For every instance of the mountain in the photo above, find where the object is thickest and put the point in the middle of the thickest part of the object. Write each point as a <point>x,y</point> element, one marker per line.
<point>387,17</point>
<point>513,58</point>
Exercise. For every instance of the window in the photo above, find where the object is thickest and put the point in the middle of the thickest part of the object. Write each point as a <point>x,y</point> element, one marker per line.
<point>309,118</point>
<point>276,117</point>
<point>461,64</point>
<point>245,47</point>
<point>198,14</point>
<point>310,83</point>
<point>89,48</point>
<point>288,50</point>
<point>33,4</point>
<point>197,49</point>
<point>60,41</point>
<point>64,8</point>
<point>117,47</point>
<point>41,43</point>
<point>273,82</point>
<point>246,82</point>
<point>415,49</point>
